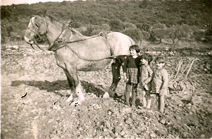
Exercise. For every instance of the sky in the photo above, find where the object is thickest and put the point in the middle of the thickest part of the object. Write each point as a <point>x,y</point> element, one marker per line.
<point>10,2</point>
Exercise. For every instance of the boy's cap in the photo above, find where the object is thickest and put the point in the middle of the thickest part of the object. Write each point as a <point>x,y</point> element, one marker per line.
<point>160,60</point>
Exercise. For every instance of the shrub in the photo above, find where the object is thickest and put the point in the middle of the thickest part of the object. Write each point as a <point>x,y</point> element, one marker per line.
<point>159,26</point>
<point>198,35</point>
<point>105,27</point>
<point>75,24</point>
<point>129,25</point>
<point>116,25</point>
<point>135,34</point>
<point>139,25</point>
<point>145,34</point>
<point>146,27</point>
<point>143,4</point>
<point>92,30</point>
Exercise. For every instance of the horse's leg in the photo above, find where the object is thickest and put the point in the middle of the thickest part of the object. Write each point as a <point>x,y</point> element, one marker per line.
<point>116,76</point>
<point>71,85</point>
<point>75,85</point>
<point>79,92</point>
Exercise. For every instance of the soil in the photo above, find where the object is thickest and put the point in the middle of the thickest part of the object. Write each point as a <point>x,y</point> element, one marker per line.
<point>34,92</point>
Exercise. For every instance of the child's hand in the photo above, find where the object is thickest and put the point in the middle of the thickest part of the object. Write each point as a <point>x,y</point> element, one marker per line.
<point>125,77</point>
<point>145,86</point>
<point>145,82</point>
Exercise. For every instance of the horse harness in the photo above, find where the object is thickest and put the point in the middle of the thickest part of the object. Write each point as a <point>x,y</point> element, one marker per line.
<point>65,44</point>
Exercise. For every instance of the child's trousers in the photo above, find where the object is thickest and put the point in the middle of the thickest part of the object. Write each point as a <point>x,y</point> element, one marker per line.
<point>130,88</point>
<point>161,102</point>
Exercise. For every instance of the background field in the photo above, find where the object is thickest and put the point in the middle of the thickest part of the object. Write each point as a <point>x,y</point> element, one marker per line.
<point>34,88</point>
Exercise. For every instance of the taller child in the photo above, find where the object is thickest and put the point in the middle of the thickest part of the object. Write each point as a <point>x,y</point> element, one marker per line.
<point>131,73</point>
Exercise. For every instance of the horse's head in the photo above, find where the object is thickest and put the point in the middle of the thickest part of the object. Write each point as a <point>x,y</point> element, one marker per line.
<point>36,26</point>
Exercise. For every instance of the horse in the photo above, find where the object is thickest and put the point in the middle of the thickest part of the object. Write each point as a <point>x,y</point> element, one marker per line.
<point>75,52</point>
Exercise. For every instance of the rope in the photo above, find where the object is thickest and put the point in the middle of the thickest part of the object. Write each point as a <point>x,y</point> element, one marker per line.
<point>78,55</point>
<point>86,59</point>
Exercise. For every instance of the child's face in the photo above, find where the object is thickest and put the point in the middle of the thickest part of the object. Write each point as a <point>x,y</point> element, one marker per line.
<point>144,61</point>
<point>159,65</point>
<point>133,52</point>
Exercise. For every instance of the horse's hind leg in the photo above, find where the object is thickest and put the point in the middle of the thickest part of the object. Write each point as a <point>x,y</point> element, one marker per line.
<point>116,76</point>
<point>75,85</point>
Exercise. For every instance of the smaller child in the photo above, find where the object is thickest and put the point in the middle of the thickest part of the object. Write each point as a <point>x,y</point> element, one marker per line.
<point>131,73</point>
<point>160,82</point>
<point>145,79</point>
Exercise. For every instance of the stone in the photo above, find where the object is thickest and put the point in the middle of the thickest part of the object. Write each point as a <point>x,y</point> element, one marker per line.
<point>161,132</point>
<point>152,135</point>
<point>118,129</point>
<point>129,121</point>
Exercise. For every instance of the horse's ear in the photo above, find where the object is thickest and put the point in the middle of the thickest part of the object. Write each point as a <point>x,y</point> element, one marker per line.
<point>42,13</point>
<point>66,24</point>
<point>69,21</point>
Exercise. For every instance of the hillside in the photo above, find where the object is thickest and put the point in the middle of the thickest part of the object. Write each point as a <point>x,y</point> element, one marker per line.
<point>134,18</point>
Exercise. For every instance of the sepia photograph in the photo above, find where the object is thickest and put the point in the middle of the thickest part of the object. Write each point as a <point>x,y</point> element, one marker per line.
<point>106,69</point>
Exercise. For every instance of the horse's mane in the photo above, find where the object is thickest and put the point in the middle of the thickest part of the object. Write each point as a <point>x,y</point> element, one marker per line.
<point>52,19</point>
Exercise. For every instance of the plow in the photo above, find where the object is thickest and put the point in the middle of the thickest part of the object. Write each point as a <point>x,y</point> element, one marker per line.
<point>179,80</point>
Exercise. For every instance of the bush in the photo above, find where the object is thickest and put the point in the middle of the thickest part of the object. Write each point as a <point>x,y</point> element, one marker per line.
<point>159,26</point>
<point>143,4</point>
<point>135,34</point>
<point>116,25</point>
<point>139,25</point>
<point>129,25</point>
<point>92,30</point>
<point>145,34</point>
<point>198,35</point>
<point>75,24</point>
<point>105,27</point>
<point>146,27</point>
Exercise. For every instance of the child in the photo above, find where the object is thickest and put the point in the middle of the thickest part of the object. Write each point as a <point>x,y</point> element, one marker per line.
<point>146,77</point>
<point>131,73</point>
<point>160,82</point>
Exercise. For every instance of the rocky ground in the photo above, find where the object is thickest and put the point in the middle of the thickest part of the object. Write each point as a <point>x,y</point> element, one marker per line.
<point>34,91</point>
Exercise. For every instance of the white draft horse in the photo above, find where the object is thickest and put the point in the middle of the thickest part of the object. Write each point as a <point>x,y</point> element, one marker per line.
<point>78,52</point>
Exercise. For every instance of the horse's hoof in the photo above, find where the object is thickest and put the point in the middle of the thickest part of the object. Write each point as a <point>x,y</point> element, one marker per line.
<point>106,95</point>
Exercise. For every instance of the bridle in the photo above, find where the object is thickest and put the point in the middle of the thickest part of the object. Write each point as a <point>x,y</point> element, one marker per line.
<point>37,32</point>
